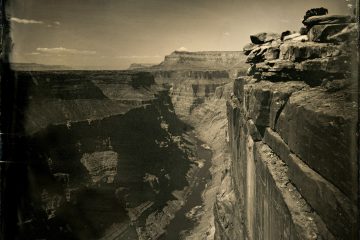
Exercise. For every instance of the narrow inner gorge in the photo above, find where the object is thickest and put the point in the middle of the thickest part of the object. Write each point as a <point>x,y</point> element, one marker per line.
<point>138,173</point>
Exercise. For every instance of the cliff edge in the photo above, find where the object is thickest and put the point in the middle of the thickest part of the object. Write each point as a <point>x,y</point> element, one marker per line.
<point>292,132</point>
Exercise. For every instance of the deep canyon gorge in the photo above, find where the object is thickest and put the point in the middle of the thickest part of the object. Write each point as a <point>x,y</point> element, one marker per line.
<point>252,144</point>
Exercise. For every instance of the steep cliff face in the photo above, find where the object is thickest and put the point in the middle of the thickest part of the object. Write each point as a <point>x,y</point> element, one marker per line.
<point>293,142</point>
<point>187,94</point>
<point>207,60</point>
<point>193,76</point>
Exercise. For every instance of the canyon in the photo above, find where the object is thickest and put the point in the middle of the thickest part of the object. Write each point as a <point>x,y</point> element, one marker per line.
<point>252,144</point>
<point>123,154</point>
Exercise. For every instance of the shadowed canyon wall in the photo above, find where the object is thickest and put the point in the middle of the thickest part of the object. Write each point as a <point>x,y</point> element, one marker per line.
<point>108,157</point>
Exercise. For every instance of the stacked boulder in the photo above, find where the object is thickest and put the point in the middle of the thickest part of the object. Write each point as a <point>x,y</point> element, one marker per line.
<point>320,52</point>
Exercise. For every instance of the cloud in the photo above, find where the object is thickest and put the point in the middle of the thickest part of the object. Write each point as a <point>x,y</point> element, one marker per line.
<point>57,23</point>
<point>182,49</point>
<point>226,34</point>
<point>25,21</point>
<point>130,57</point>
<point>61,50</point>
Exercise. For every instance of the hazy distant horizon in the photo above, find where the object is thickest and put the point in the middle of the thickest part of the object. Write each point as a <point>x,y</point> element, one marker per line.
<point>111,34</point>
<point>105,67</point>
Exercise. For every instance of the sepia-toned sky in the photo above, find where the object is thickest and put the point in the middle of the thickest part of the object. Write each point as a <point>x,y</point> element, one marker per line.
<point>111,34</point>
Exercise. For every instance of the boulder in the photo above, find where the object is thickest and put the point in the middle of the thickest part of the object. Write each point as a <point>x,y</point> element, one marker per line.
<point>264,52</point>
<point>263,66</point>
<point>291,36</point>
<point>322,33</point>
<point>248,48</point>
<point>280,65</point>
<point>315,12</point>
<point>335,65</point>
<point>284,34</point>
<point>272,53</point>
<point>301,38</point>
<point>264,37</point>
<point>275,43</point>
<point>348,33</point>
<point>275,70</point>
<point>328,19</point>
<point>256,55</point>
<point>270,76</point>
<point>299,51</point>
<point>303,31</point>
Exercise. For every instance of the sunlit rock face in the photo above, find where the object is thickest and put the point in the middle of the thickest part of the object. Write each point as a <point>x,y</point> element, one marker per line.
<point>206,60</point>
<point>190,88</point>
<point>192,77</point>
<point>187,94</point>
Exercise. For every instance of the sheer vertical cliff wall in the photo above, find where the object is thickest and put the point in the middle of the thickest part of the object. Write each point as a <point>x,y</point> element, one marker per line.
<point>292,131</point>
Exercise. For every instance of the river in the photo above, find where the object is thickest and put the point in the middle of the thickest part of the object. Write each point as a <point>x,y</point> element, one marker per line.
<point>181,224</point>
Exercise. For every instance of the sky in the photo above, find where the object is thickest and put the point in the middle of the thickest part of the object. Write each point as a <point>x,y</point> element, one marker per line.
<point>112,34</point>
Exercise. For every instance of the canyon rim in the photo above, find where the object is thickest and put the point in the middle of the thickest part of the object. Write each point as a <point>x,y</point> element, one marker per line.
<point>199,120</point>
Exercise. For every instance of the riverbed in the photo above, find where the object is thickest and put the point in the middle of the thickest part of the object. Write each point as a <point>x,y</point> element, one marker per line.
<point>186,218</point>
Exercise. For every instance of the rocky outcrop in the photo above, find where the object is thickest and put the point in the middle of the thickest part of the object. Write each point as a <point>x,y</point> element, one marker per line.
<point>328,19</point>
<point>323,54</point>
<point>264,37</point>
<point>293,142</point>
